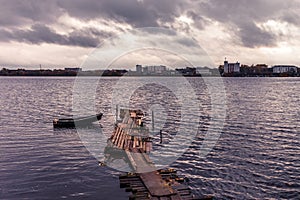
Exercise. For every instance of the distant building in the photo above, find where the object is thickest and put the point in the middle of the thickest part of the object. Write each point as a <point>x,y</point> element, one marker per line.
<point>73,69</point>
<point>139,69</point>
<point>279,69</point>
<point>156,69</point>
<point>231,67</point>
<point>145,70</point>
<point>204,71</point>
<point>188,71</point>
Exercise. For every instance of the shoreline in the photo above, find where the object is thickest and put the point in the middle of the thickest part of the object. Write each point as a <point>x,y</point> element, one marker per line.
<point>163,76</point>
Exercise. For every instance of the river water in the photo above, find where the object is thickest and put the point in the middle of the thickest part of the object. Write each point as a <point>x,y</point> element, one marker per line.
<point>256,156</point>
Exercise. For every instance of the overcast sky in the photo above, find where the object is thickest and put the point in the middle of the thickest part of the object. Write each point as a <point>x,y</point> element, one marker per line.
<point>57,33</point>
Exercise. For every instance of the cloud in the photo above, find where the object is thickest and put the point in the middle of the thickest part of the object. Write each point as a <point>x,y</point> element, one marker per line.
<point>16,16</point>
<point>253,36</point>
<point>292,16</point>
<point>188,42</point>
<point>199,21</point>
<point>39,33</point>
<point>49,55</point>
<point>86,23</point>
<point>5,36</point>
<point>145,13</point>
<point>241,17</point>
<point>20,12</point>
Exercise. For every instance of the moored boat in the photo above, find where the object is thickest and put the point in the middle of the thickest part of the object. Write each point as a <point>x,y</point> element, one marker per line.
<point>76,122</point>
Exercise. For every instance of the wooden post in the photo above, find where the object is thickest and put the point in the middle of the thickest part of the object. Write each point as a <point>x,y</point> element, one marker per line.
<point>160,133</point>
<point>152,121</point>
<point>117,109</point>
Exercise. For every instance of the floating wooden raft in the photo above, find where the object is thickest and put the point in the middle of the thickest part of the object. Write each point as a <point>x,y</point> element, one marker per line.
<point>147,182</point>
<point>134,183</point>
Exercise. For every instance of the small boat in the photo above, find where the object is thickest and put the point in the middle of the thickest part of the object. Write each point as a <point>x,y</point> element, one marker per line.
<point>76,122</point>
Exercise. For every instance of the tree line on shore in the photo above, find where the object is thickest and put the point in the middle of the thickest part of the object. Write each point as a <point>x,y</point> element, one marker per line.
<point>245,71</point>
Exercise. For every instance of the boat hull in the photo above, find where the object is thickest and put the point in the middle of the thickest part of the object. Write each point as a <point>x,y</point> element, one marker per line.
<point>76,122</point>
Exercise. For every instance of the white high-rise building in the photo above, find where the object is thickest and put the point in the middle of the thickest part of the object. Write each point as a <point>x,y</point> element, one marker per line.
<point>231,67</point>
<point>156,69</point>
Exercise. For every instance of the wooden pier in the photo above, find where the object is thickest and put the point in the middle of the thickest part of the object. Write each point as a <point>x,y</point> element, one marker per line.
<point>145,182</point>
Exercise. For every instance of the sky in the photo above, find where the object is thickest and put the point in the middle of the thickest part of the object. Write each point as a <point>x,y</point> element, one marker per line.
<point>60,33</point>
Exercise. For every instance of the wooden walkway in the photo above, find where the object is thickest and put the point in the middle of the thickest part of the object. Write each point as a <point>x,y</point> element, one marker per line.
<point>146,182</point>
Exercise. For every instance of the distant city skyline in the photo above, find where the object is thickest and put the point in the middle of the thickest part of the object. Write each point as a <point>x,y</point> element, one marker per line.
<point>133,67</point>
<point>58,34</point>
<point>227,70</point>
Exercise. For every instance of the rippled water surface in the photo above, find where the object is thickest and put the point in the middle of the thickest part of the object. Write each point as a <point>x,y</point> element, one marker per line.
<point>257,155</point>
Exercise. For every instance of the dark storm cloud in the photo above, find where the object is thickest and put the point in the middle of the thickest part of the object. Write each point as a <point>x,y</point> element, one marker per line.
<point>20,12</point>
<point>38,34</point>
<point>241,16</point>
<point>253,36</point>
<point>241,10</point>
<point>145,13</point>
<point>199,21</point>
<point>5,35</point>
<point>42,34</point>
<point>292,17</point>
<point>17,13</point>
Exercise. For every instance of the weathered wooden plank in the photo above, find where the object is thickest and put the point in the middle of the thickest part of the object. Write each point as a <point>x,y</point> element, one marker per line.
<point>176,197</point>
<point>129,177</point>
<point>155,184</point>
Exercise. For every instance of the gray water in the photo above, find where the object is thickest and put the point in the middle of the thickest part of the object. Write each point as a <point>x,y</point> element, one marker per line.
<point>257,155</point>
